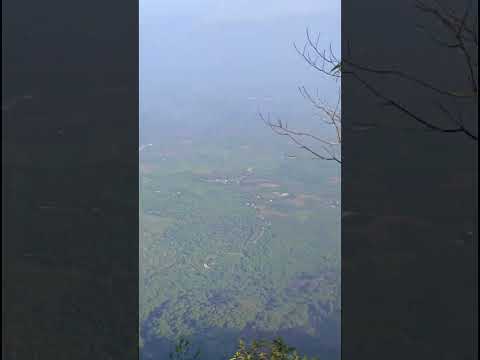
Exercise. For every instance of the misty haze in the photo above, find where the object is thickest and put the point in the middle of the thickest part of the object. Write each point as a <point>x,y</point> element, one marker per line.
<point>240,226</point>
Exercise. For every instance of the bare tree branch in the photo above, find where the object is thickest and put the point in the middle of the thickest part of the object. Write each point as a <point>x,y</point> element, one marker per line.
<point>464,39</point>
<point>457,26</point>
<point>406,111</point>
<point>281,129</point>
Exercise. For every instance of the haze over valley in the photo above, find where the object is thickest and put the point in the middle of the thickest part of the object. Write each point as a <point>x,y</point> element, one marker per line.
<point>240,228</point>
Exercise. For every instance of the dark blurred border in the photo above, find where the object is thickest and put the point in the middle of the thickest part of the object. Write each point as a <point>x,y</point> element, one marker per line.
<point>70,188</point>
<point>70,179</point>
<point>409,192</point>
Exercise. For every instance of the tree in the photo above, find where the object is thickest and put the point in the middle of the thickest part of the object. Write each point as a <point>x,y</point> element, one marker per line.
<point>183,351</point>
<point>276,349</point>
<point>266,350</point>
<point>460,36</point>
<point>328,148</point>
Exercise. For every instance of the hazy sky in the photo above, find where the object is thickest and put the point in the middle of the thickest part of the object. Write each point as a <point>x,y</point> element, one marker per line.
<point>208,60</point>
<point>236,10</point>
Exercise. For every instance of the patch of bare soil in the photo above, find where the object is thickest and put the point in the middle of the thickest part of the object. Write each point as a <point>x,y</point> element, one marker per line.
<point>301,199</point>
<point>270,212</point>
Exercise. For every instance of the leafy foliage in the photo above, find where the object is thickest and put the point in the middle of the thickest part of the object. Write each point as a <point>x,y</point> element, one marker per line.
<point>184,351</point>
<point>266,350</point>
<point>276,349</point>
